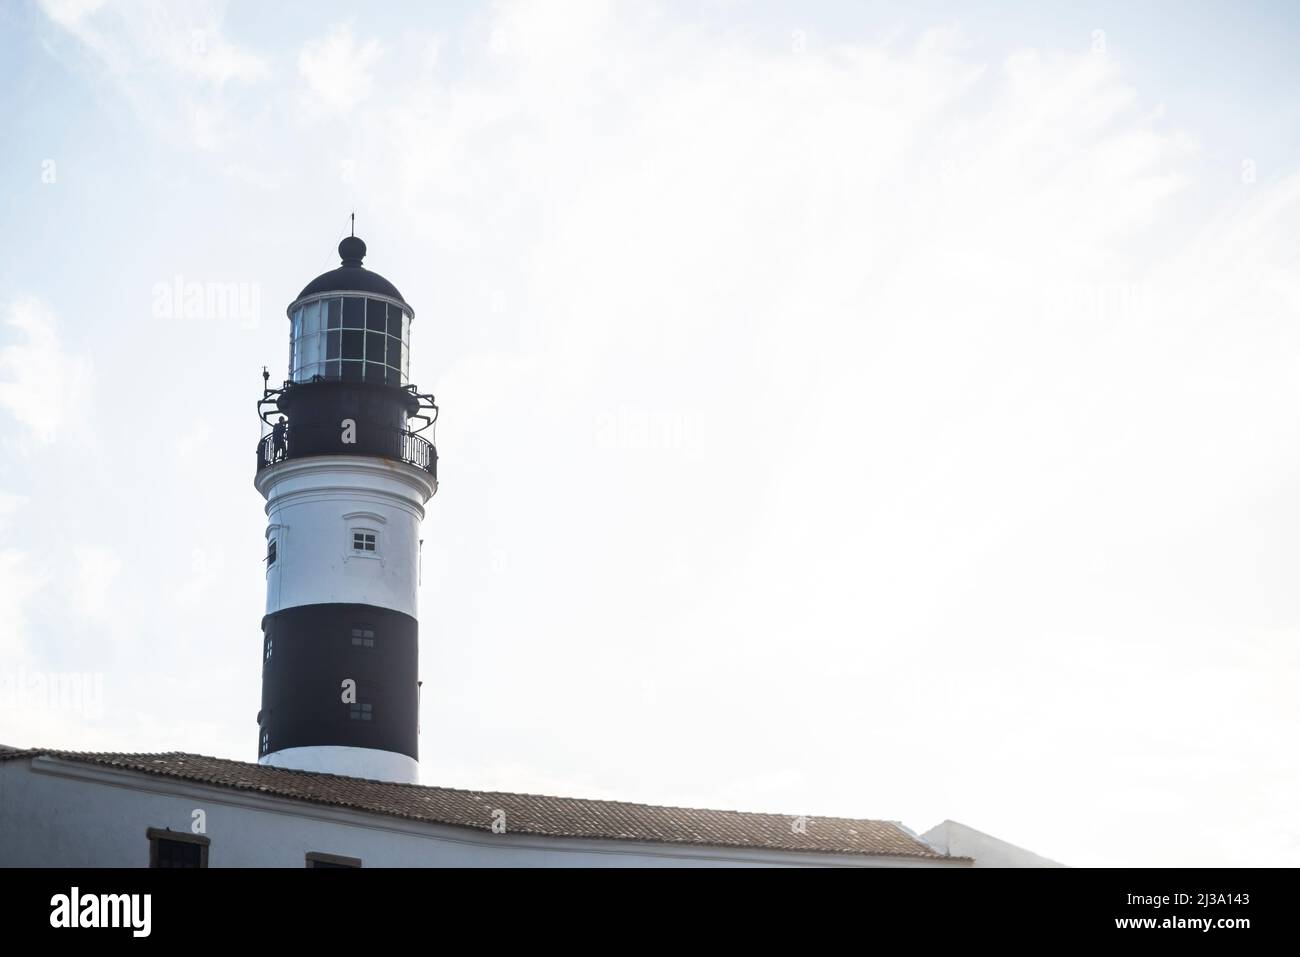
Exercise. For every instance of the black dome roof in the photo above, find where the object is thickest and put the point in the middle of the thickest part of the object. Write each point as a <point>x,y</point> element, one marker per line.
<point>352,275</point>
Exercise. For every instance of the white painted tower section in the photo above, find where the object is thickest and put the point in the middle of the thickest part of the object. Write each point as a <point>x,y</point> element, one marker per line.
<point>314,507</point>
<point>369,763</point>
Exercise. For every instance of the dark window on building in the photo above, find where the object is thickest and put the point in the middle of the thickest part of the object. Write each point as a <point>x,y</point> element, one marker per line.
<point>317,859</point>
<point>270,552</point>
<point>363,636</point>
<point>362,712</point>
<point>269,647</point>
<point>177,848</point>
<point>363,541</point>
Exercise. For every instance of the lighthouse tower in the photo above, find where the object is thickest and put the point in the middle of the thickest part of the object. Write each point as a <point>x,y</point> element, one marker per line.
<point>346,475</point>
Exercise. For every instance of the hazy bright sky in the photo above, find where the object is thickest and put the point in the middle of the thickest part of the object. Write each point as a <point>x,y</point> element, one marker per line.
<point>881,410</point>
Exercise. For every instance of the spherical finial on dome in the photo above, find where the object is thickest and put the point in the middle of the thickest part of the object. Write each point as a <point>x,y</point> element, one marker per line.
<point>352,250</point>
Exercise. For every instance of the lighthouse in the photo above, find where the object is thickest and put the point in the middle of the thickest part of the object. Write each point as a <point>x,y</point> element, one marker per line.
<point>346,467</point>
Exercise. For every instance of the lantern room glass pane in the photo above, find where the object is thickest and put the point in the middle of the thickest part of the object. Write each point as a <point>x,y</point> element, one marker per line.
<point>406,363</point>
<point>354,313</point>
<point>354,341</point>
<point>315,351</point>
<point>350,338</point>
<point>376,313</point>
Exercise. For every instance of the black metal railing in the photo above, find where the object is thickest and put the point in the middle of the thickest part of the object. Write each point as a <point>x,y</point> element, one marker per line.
<point>383,442</point>
<point>419,451</point>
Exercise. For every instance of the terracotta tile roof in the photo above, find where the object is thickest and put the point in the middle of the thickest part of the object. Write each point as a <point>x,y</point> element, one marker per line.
<point>525,813</point>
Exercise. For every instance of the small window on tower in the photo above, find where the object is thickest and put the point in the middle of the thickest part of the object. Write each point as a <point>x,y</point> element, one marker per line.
<point>362,712</point>
<point>270,552</point>
<point>269,647</point>
<point>363,636</point>
<point>363,541</point>
<point>266,741</point>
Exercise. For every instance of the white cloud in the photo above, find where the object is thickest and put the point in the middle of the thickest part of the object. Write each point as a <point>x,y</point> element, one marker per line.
<point>94,574</point>
<point>187,38</point>
<point>337,69</point>
<point>19,581</point>
<point>41,384</point>
<point>70,14</point>
<point>9,504</point>
<point>170,59</point>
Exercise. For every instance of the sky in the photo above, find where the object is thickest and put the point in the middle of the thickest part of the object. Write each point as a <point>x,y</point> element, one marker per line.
<point>881,410</point>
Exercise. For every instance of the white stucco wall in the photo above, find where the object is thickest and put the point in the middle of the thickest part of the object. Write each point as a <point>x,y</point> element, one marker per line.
<point>60,813</point>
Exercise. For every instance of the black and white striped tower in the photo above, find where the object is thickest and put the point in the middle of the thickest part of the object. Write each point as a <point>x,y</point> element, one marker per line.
<point>346,478</point>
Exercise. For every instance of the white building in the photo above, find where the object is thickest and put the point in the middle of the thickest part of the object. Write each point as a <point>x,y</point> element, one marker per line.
<point>63,809</point>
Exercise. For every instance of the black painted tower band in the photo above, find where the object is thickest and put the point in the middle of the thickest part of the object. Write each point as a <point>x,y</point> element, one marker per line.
<point>311,649</point>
